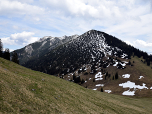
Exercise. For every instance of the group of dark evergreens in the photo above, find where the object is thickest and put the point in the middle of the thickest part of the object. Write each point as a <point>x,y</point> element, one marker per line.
<point>128,49</point>
<point>7,55</point>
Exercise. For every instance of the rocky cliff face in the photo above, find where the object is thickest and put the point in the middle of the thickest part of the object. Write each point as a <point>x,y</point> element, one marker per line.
<point>41,47</point>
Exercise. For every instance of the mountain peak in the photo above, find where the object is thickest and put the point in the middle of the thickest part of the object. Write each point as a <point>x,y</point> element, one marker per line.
<point>94,57</point>
<point>44,38</point>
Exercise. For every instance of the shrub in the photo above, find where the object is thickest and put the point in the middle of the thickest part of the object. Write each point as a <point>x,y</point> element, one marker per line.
<point>101,89</point>
<point>116,75</point>
<point>93,79</point>
<point>86,73</point>
<point>82,81</point>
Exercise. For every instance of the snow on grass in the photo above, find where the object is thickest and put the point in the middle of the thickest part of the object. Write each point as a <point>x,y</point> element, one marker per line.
<point>124,55</point>
<point>141,77</point>
<point>115,64</point>
<point>151,88</point>
<point>71,74</point>
<point>85,81</point>
<point>98,79</point>
<point>95,89</point>
<point>129,93</point>
<point>98,76</point>
<point>108,65</point>
<point>129,84</point>
<point>125,62</point>
<point>100,85</point>
<point>108,91</point>
<point>89,78</point>
<point>126,76</point>
<point>93,57</point>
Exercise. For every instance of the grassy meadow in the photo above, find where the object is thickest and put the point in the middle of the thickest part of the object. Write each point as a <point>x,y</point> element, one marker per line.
<point>26,91</point>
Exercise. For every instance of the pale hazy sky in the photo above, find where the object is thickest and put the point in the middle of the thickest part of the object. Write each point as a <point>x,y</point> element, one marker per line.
<point>25,21</point>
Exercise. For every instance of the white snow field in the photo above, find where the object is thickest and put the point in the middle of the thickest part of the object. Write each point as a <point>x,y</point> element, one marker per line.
<point>130,85</point>
<point>126,76</point>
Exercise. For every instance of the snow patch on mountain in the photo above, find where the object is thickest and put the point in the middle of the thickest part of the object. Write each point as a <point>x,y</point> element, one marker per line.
<point>98,76</point>
<point>141,77</point>
<point>130,84</point>
<point>126,76</point>
<point>28,49</point>
<point>43,44</point>
<point>108,91</point>
<point>95,89</point>
<point>100,85</point>
<point>115,64</point>
<point>44,38</point>
<point>129,93</point>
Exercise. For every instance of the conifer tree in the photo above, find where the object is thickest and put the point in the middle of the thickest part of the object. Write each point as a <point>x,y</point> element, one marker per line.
<point>7,54</point>
<point>1,48</point>
<point>107,74</point>
<point>82,81</point>
<point>105,77</point>
<point>148,62</point>
<point>93,79</point>
<point>116,75</point>
<point>15,57</point>
<point>129,63</point>
<point>74,76</point>
<point>101,89</point>
<point>113,78</point>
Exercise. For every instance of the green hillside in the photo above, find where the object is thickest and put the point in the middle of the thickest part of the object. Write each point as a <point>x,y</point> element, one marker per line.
<point>25,91</point>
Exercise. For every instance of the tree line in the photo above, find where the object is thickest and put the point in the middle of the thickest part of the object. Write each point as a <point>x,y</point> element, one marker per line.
<point>128,49</point>
<point>7,55</point>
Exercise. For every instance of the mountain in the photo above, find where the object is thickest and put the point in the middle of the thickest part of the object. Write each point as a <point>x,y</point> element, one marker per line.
<point>41,47</point>
<point>26,91</point>
<point>100,62</point>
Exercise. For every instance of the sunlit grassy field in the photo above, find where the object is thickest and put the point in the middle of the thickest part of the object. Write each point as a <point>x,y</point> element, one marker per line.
<point>25,91</point>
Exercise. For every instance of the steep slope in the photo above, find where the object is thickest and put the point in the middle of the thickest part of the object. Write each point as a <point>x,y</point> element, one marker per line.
<point>97,61</point>
<point>41,47</point>
<point>25,91</point>
<point>88,48</point>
